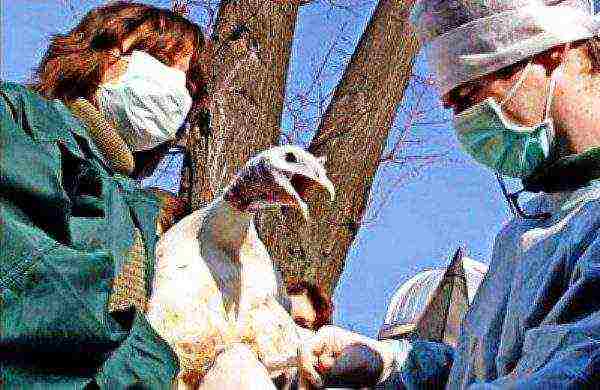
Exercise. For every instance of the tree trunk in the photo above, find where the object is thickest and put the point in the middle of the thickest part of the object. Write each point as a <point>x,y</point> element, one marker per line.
<point>352,135</point>
<point>252,42</point>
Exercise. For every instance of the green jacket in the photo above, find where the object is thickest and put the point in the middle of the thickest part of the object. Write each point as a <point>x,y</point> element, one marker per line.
<point>68,228</point>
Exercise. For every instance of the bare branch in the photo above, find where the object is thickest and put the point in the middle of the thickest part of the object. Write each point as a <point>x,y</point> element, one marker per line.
<point>352,135</point>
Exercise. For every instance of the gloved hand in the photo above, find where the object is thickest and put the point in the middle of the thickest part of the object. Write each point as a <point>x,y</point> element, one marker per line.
<point>319,354</point>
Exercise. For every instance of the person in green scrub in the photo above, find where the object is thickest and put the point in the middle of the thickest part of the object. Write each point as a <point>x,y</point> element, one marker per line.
<point>77,233</point>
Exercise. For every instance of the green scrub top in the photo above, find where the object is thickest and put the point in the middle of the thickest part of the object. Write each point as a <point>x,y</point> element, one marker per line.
<point>69,228</point>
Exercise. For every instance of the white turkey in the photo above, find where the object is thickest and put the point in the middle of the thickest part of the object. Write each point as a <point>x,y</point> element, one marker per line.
<point>215,284</point>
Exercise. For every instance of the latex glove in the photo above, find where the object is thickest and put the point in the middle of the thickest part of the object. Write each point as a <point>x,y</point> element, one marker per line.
<point>318,355</point>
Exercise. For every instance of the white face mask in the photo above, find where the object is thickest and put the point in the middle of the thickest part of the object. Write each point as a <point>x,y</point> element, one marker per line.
<point>148,104</point>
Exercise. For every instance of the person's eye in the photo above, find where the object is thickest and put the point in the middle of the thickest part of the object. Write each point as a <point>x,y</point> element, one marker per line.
<point>290,157</point>
<point>467,93</point>
<point>466,97</point>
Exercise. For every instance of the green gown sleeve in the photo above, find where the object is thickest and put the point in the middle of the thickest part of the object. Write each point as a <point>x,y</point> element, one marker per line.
<point>67,229</point>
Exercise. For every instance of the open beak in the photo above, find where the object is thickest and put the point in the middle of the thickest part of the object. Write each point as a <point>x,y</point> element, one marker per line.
<point>328,185</point>
<point>299,186</point>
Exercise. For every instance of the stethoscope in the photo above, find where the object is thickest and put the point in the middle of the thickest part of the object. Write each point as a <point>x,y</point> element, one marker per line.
<point>513,202</point>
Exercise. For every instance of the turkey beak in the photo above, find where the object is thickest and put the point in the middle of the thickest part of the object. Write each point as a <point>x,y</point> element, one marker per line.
<point>285,182</point>
<point>304,210</point>
<point>296,185</point>
<point>320,181</point>
<point>328,185</point>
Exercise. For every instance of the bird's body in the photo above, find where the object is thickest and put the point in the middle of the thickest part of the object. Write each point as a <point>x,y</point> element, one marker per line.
<point>206,297</point>
<point>215,284</point>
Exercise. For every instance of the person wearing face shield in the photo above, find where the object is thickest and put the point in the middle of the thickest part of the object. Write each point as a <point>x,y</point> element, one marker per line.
<point>523,79</point>
<point>78,233</point>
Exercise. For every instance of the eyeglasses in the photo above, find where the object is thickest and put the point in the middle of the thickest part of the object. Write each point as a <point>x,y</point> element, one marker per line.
<point>513,203</point>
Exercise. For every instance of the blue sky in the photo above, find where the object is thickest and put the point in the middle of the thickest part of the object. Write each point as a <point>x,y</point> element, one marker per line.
<point>453,202</point>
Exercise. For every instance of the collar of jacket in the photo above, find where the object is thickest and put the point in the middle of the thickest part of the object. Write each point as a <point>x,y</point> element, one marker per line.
<point>566,174</point>
<point>107,139</point>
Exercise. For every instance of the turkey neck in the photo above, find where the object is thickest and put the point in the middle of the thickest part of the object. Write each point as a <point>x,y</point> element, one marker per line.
<point>228,227</point>
<point>241,272</point>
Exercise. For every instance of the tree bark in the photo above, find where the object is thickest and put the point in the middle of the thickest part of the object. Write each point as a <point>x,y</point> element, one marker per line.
<point>251,44</point>
<point>352,135</point>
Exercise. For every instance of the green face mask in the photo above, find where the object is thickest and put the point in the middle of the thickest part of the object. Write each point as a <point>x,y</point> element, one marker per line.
<point>502,145</point>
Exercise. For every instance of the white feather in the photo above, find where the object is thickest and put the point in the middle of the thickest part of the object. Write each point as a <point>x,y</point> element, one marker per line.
<point>215,285</point>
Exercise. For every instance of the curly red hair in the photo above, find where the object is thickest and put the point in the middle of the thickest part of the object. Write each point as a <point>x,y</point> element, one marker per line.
<point>74,62</point>
<point>172,208</point>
